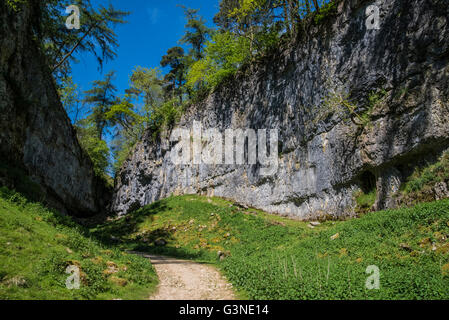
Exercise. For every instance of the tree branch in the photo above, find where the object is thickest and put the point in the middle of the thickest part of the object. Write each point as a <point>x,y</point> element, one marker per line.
<point>73,49</point>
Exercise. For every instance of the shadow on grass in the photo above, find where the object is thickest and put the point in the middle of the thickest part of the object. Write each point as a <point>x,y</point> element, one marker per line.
<point>172,252</point>
<point>119,232</point>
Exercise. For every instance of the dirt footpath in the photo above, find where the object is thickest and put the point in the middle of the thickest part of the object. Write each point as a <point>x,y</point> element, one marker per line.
<point>186,280</point>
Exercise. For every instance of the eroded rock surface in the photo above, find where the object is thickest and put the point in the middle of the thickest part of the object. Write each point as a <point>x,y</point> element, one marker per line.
<point>35,133</point>
<point>397,77</point>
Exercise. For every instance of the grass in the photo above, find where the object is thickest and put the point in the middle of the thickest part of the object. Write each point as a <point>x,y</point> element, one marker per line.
<point>264,256</point>
<point>420,186</point>
<point>365,201</point>
<point>270,257</point>
<point>37,245</point>
<point>429,175</point>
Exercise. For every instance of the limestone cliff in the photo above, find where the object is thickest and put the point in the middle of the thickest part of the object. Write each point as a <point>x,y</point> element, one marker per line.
<point>354,108</point>
<point>36,136</point>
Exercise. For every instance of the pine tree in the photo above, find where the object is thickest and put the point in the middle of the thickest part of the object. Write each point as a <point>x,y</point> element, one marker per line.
<point>101,98</point>
<point>197,33</point>
<point>175,78</point>
<point>96,34</point>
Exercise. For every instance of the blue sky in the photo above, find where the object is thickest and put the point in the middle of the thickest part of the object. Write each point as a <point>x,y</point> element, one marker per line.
<point>153,27</point>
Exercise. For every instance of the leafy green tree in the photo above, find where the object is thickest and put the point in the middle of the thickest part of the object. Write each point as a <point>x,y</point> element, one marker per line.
<point>261,20</point>
<point>121,148</point>
<point>86,129</point>
<point>101,98</point>
<point>132,114</point>
<point>147,83</point>
<point>222,18</point>
<point>123,115</point>
<point>165,116</point>
<point>129,128</point>
<point>252,19</point>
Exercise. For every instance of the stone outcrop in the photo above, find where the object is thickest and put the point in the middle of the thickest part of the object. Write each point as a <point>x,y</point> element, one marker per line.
<point>354,108</point>
<point>36,136</point>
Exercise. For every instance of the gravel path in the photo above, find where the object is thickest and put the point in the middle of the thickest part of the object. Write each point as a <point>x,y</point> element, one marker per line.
<point>186,280</point>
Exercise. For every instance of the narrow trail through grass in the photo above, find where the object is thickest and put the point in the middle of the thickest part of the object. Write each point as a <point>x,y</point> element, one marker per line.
<point>187,280</point>
<point>269,257</point>
<point>263,256</point>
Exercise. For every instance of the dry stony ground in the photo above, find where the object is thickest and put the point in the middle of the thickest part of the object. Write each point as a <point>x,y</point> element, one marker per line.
<point>186,280</point>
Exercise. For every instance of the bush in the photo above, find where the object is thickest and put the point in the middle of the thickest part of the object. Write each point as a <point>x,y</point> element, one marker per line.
<point>165,116</point>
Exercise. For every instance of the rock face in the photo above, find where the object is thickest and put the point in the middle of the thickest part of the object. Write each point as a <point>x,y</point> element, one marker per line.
<point>35,133</point>
<point>355,108</point>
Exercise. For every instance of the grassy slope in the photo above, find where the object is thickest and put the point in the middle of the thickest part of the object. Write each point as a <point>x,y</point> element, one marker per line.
<point>37,245</point>
<point>270,257</point>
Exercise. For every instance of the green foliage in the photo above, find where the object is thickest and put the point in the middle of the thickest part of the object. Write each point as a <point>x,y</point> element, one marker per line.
<point>165,116</point>
<point>365,201</point>
<point>426,177</point>
<point>121,148</point>
<point>375,98</point>
<point>37,245</point>
<point>133,114</point>
<point>325,12</point>
<point>224,54</point>
<point>256,21</point>
<point>96,148</point>
<point>101,98</point>
<point>58,42</point>
<point>246,8</point>
<point>270,257</point>
<point>16,4</point>
<point>70,98</point>
<point>124,115</point>
<point>364,117</point>
<point>147,83</point>
<point>174,79</point>
<point>361,116</point>
<point>196,33</point>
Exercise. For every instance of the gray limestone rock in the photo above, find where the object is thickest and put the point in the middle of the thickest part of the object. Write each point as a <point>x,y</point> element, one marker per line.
<point>397,77</point>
